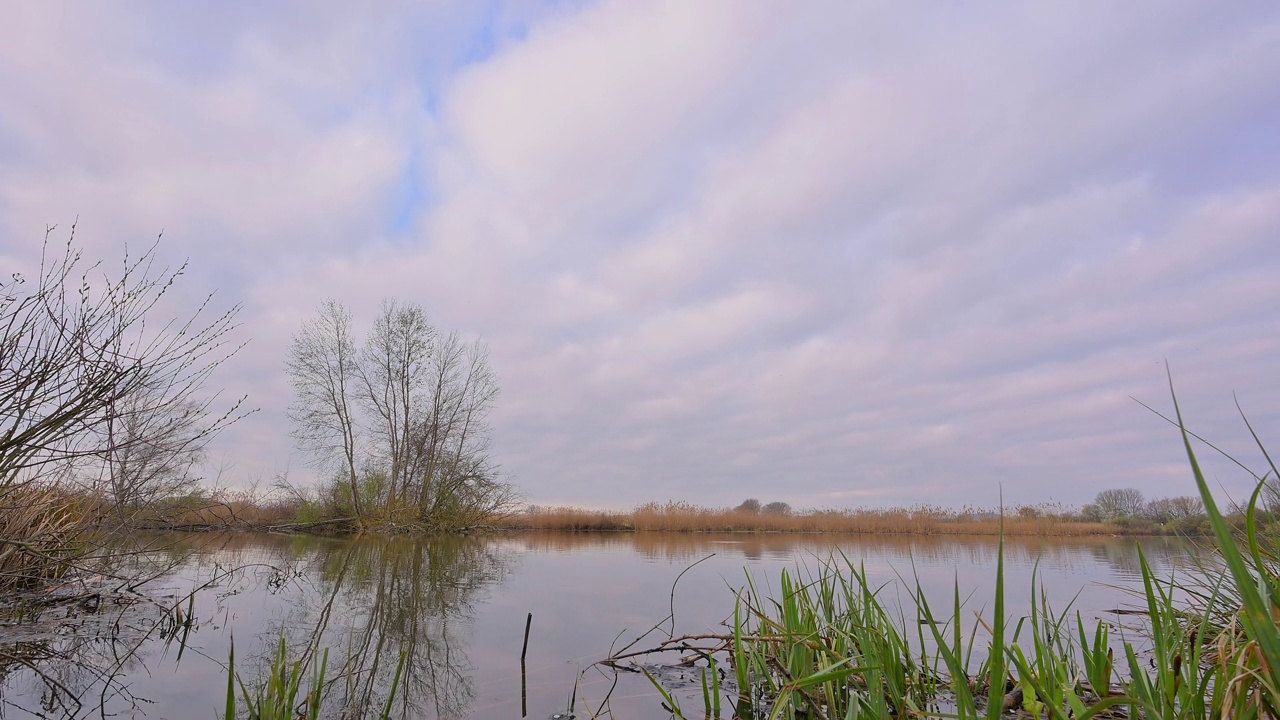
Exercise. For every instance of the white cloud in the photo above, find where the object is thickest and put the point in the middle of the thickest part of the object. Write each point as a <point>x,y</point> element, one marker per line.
<point>829,252</point>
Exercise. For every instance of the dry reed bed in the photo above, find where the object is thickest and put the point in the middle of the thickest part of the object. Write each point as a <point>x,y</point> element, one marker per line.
<point>684,517</point>
<point>40,532</point>
<point>219,513</point>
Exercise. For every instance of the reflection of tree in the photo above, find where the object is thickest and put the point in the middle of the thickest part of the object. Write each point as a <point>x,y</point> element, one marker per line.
<point>1126,561</point>
<point>368,600</point>
<point>1123,558</point>
<point>896,549</point>
<point>400,597</point>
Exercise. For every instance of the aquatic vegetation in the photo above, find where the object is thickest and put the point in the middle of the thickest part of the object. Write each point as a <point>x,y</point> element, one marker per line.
<point>276,697</point>
<point>828,645</point>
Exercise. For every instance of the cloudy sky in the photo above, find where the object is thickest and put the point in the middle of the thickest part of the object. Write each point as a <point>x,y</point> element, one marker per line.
<point>832,253</point>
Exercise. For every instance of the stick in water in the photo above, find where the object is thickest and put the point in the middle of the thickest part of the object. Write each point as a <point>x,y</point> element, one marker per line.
<point>524,692</point>
<point>527,622</point>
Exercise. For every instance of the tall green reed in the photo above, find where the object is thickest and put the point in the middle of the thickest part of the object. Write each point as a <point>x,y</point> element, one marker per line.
<point>1208,647</point>
<point>276,696</point>
<point>828,646</point>
<point>1242,655</point>
<point>279,695</point>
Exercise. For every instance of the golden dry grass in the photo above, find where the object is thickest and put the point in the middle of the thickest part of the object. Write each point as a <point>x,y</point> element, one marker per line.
<point>567,518</point>
<point>222,510</point>
<point>40,530</point>
<point>685,517</point>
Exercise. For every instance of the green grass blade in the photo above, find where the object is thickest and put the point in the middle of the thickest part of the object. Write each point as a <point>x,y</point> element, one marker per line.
<point>230,712</point>
<point>1256,615</point>
<point>395,685</point>
<point>997,663</point>
<point>831,673</point>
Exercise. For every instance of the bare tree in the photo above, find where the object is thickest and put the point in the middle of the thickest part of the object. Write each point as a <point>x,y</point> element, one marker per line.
<point>421,401</point>
<point>324,368</point>
<point>750,505</point>
<point>1163,510</point>
<point>1118,503</point>
<point>153,447</point>
<point>76,356</point>
<point>394,368</point>
<point>1185,507</point>
<point>454,438</point>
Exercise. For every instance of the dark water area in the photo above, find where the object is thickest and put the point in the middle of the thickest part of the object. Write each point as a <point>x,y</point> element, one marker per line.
<point>455,608</point>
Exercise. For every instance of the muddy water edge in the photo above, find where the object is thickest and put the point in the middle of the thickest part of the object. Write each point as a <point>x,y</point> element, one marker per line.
<point>455,609</point>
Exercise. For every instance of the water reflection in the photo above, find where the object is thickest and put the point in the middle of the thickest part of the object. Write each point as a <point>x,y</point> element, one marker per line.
<point>902,551</point>
<point>100,647</point>
<point>380,600</point>
<point>68,648</point>
<point>454,609</point>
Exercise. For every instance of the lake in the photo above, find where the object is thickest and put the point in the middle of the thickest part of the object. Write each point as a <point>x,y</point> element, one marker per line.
<point>456,608</point>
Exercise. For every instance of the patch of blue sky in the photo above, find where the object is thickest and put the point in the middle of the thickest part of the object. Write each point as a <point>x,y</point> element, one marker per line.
<point>430,100</point>
<point>409,195</point>
<point>486,36</point>
<point>496,27</point>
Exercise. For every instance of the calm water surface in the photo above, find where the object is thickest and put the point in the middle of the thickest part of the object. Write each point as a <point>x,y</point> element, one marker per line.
<point>455,608</point>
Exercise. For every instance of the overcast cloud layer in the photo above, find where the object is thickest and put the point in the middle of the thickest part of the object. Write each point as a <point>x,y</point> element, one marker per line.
<point>829,253</point>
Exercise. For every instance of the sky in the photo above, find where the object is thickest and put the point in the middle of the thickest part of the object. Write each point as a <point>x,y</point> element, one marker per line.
<point>837,254</point>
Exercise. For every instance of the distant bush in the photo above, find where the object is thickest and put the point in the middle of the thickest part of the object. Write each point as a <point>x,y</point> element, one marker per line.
<point>1195,525</point>
<point>777,508</point>
<point>1135,525</point>
<point>1130,513</point>
<point>309,512</point>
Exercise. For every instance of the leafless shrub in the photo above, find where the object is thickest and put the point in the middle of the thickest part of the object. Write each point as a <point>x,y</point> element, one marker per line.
<point>95,403</point>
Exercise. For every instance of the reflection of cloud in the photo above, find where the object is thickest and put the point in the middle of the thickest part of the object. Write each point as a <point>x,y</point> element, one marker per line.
<point>821,252</point>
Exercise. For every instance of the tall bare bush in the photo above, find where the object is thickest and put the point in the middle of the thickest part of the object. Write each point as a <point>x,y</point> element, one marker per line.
<point>93,398</point>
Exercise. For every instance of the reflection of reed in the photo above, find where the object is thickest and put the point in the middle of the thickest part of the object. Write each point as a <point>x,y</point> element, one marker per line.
<point>72,642</point>
<point>73,653</point>
<point>1119,553</point>
<point>204,550</point>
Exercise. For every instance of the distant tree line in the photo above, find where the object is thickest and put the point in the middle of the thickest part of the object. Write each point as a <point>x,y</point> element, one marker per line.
<point>752,506</point>
<point>1128,506</point>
